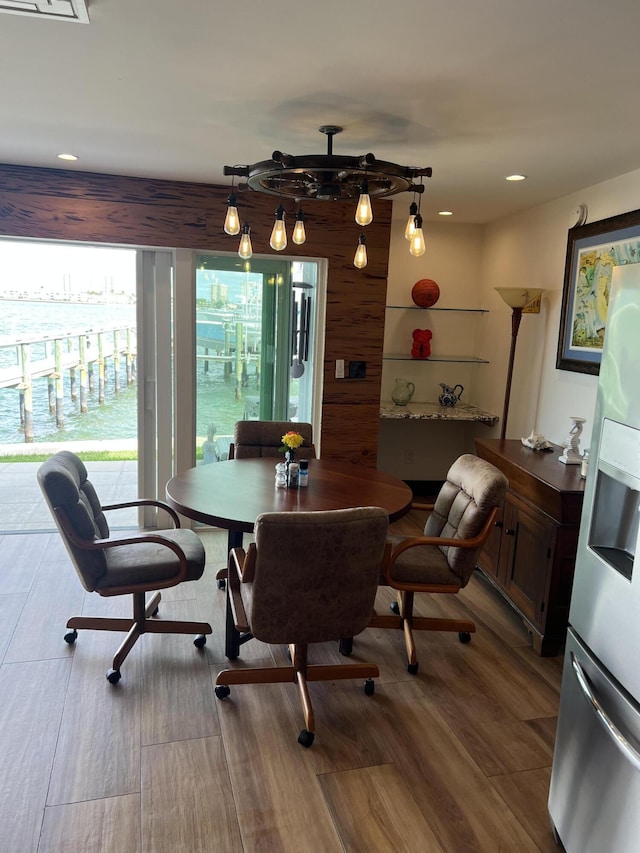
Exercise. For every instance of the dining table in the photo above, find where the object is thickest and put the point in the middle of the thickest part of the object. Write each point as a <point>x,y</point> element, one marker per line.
<point>233,493</point>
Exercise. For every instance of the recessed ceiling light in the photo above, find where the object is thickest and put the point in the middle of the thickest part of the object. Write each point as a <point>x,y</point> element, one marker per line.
<point>516,178</point>
<point>67,157</point>
<point>445,213</point>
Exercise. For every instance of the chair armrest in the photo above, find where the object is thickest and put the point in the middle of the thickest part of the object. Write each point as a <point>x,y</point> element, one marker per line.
<point>442,542</point>
<point>421,506</point>
<point>146,502</point>
<point>104,544</point>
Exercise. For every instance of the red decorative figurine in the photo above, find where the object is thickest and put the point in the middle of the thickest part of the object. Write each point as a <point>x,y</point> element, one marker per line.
<point>421,343</point>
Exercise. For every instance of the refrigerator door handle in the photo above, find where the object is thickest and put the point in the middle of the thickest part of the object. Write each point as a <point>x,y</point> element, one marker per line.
<point>620,740</point>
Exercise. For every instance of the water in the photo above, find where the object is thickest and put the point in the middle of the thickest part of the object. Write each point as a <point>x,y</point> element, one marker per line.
<point>117,417</point>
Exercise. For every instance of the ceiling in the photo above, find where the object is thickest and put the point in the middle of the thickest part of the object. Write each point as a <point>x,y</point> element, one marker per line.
<point>477,90</point>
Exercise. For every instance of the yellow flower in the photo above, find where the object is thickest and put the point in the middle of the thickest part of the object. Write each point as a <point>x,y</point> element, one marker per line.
<point>291,441</point>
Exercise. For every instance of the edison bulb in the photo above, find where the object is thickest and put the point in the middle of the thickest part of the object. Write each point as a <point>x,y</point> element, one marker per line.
<point>278,240</point>
<point>232,220</point>
<point>364,211</point>
<point>299,234</point>
<point>245,250</point>
<point>416,245</point>
<point>411,221</point>
<point>360,259</point>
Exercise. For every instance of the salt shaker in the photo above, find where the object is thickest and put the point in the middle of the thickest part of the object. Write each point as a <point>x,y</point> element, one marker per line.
<point>281,476</point>
<point>294,475</point>
<point>304,473</point>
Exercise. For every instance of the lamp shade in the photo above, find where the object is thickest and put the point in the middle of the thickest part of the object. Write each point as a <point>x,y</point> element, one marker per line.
<point>522,297</point>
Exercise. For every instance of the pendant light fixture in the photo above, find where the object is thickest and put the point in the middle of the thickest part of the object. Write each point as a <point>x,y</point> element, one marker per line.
<point>360,259</point>
<point>411,221</point>
<point>417,245</point>
<point>329,177</point>
<point>299,234</point>
<point>232,220</point>
<point>246,250</point>
<point>278,240</point>
<point>364,211</point>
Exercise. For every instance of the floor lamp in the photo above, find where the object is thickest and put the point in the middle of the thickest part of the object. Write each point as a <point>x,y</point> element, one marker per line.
<point>521,301</point>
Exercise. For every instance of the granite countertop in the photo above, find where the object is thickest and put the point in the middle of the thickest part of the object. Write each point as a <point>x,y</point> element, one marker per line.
<point>436,412</point>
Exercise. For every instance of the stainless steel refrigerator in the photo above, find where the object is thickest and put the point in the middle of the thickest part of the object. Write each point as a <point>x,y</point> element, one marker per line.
<point>594,799</point>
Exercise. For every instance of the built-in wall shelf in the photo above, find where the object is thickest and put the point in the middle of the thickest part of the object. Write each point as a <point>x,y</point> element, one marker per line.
<point>444,332</point>
<point>437,308</point>
<point>436,412</point>
<point>469,359</point>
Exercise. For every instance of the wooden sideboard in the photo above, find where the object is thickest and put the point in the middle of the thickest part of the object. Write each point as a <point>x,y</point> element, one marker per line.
<point>531,553</point>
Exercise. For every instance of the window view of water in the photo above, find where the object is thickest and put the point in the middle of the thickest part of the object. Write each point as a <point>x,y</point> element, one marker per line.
<point>78,296</point>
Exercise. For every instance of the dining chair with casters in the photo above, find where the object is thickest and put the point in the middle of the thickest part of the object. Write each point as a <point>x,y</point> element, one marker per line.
<point>129,564</point>
<point>253,439</point>
<point>309,577</point>
<point>443,559</point>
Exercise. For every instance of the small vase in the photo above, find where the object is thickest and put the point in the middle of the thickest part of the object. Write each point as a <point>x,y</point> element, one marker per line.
<point>402,392</point>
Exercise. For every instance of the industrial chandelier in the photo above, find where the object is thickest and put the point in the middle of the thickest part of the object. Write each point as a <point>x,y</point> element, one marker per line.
<point>326,177</point>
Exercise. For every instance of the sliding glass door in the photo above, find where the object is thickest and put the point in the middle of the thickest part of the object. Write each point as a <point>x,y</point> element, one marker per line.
<point>254,343</point>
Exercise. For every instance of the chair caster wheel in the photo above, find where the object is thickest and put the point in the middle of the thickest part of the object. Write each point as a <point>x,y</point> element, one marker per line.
<point>306,738</point>
<point>345,647</point>
<point>394,607</point>
<point>369,686</point>
<point>113,676</point>
<point>200,641</point>
<point>464,637</point>
<point>221,583</point>
<point>71,636</point>
<point>412,668</point>
<point>222,691</point>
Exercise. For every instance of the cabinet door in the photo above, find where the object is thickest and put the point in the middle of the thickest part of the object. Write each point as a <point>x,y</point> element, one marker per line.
<point>526,558</point>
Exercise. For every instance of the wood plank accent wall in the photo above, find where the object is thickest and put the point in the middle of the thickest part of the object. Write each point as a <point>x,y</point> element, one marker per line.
<point>61,204</point>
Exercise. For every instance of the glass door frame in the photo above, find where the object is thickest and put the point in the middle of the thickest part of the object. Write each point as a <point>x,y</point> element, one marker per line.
<point>184,349</point>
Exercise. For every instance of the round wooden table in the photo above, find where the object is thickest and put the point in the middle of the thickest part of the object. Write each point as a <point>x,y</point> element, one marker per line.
<point>232,494</point>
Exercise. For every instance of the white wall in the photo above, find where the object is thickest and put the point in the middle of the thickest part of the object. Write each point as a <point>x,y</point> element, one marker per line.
<point>529,249</point>
<point>468,262</point>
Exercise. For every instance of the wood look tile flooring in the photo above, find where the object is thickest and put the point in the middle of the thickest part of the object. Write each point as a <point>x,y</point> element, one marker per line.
<point>456,758</point>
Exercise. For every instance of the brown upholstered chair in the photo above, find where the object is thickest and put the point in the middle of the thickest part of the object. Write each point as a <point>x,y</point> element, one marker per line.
<point>264,438</point>
<point>132,564</point>
<point>310,577</point>
<point>443,559</point>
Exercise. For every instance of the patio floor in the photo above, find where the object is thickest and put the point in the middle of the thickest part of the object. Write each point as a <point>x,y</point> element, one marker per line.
<point>23,508</point>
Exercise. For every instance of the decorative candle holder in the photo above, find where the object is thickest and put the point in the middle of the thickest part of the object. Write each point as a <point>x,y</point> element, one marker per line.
<point>571,454</point>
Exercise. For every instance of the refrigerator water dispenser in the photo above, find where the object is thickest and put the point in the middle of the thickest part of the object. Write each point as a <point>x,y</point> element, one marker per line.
<point>615,518</point>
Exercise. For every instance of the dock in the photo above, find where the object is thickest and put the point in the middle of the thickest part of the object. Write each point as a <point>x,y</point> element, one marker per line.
<point>87,356</point>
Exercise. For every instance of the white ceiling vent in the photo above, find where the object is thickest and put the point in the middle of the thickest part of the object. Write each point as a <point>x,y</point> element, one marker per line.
<point>63,10</point>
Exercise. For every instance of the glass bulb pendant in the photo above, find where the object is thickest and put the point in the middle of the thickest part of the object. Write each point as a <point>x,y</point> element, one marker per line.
<point>299,234</point>
<point>232,220</point>
<point>364,211</point>
<point>278,240</point>
<point>360,259</point>
<point>416,245</point>
<point>411,221</point>
<point>246,250</point>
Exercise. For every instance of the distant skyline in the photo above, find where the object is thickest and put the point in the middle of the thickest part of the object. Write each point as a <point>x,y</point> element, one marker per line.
<point>58,268</point>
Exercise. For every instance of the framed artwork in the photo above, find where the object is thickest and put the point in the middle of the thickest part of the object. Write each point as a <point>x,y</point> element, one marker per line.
<point>593,251</point>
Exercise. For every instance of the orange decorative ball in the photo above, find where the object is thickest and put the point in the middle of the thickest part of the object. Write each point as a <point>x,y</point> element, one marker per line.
<point>425,293</point>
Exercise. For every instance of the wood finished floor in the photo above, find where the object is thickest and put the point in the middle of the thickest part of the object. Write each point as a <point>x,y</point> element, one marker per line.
<point>456,758</point>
